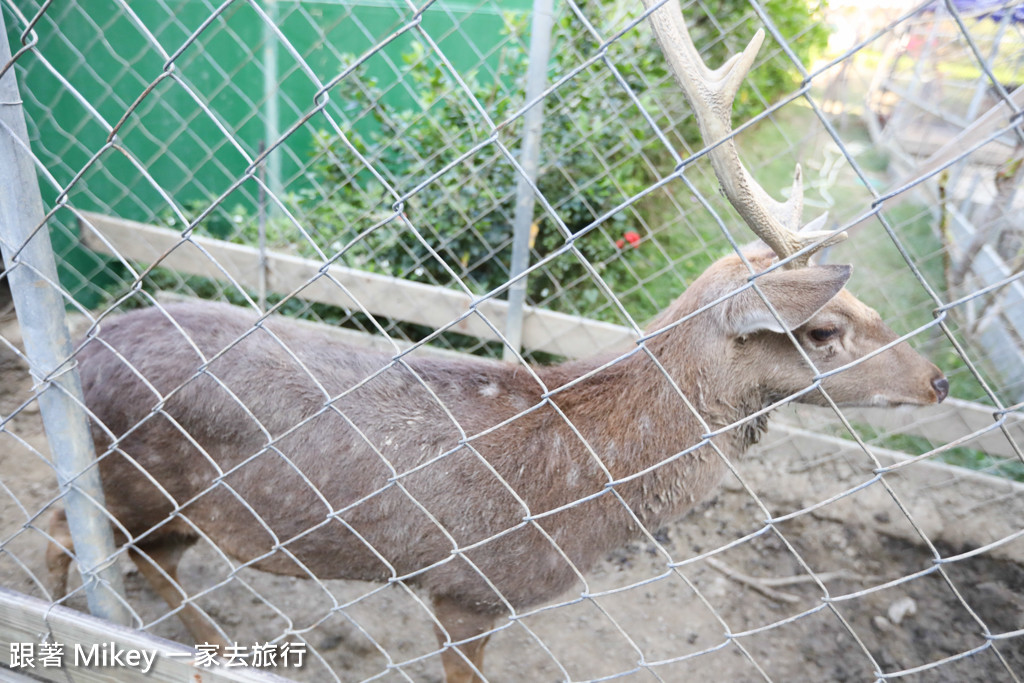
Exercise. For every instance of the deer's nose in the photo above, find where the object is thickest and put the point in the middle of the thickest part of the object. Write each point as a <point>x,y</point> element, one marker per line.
<point>941,386</point>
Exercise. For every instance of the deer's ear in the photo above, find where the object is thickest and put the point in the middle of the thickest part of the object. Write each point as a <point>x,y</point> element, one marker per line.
<point>796,296</point>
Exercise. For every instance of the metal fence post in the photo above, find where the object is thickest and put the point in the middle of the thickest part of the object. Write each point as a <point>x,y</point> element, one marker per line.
<point>32,274</point>
<point>536,81</point>
<point>271,107</point>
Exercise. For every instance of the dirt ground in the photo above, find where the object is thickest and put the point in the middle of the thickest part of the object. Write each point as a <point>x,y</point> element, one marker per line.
<point>644,620</point>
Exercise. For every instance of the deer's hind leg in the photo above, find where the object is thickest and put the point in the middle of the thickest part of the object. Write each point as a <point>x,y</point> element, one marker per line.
<point>157,560</point>
<point>59,553</point>
<point>462,663</point>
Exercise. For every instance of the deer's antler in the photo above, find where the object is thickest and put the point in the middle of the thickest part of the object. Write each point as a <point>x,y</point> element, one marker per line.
<point>711,93</point>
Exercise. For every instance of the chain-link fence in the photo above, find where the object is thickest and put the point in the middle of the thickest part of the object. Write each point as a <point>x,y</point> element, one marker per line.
<point>423,190</point>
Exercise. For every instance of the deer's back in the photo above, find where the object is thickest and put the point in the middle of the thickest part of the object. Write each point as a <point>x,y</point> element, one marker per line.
<point>278,437</point>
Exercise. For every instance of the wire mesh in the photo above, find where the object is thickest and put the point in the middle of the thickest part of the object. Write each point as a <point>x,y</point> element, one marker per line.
<point>315,158</point>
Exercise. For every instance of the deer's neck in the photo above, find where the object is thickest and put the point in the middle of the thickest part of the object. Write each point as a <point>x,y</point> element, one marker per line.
<point>645,414</point>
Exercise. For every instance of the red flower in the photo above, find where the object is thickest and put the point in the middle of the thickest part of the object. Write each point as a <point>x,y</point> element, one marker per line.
<point>620,243</point>
<point>632,237</point>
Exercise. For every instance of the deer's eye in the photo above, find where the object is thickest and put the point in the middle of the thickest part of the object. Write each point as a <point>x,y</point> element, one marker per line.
<point>823,334</point>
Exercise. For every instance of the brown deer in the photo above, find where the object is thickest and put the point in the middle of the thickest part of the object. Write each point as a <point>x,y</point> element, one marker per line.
<point>489,485</point>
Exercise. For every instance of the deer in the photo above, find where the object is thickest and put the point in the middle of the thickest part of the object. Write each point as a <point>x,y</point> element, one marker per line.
<point>490,486</point>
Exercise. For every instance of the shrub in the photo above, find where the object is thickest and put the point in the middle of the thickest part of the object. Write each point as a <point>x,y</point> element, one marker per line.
<point>598,151</point>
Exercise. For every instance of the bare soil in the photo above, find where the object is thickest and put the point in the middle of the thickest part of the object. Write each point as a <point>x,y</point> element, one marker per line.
<point>878,599</point>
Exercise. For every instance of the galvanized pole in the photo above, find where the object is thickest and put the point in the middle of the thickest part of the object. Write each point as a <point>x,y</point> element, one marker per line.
<point>32,275</point>
<point>522,222</point>
<point>261,227</point>
<point>271,111</point>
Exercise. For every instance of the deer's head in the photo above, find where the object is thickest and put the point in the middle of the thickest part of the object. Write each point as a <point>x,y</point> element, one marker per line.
<point>838,339</point>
